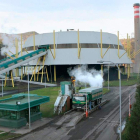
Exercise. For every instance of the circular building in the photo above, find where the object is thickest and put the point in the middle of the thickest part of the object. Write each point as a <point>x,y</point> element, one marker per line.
<point>73,48</point>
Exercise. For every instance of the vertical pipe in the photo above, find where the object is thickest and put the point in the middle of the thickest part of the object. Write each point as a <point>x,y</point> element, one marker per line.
<point>17,70</point>
<point>129,106</point>
<point>21,44</point>
<point>127,72</point>
<point>118,46</point>
<point>2,87</point>
<point>51,73</point>
<point>29,102</point>
<point>102,70</point>
<point>45,81</point>
<point>34,40</point>
<point>12,78</point>
<point>119,72</point>
<point>21,72</point>
<point>47,74</point>
<point>54,73</point>
<point>127,47</point>
<point>54,42</point>
<point>120,102</point>
<point>5,79</point>
<point>108,77</point>
<point>101,43</point>
<point>78,43</point>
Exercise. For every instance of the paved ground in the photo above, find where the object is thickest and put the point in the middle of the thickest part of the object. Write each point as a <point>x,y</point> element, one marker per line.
<point>101,124</point>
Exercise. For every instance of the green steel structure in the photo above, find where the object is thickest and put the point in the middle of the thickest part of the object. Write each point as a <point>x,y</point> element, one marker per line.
<point>14,111</point>
<point>92,95</point>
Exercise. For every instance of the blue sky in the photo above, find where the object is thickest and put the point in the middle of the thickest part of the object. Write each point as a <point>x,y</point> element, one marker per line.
<point>42,16</point>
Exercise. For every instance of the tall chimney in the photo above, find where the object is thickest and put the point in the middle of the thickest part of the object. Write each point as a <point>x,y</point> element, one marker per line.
<point>137,36</point>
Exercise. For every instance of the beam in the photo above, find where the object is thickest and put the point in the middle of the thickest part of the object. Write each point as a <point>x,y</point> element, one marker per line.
<point>43,68</point>
<point>54,73</point>
<point>47,74</point>
<point>12,79</point>
<point>25,50</point>
<point>9,56</point>
<point>106,51</point>
<point>5,80</point>
<point>52,53</point>
<point>33,73</point>
<point>102,70</point>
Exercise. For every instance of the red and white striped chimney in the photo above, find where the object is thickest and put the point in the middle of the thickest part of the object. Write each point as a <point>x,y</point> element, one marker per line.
<point>136,10</point>
<point>137,36</point>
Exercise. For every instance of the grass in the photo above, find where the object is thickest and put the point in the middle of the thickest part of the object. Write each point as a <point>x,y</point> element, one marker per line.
<point>105,90</point>
<point>48,108</point>
<point>8,135</point>
<point>131,81</point>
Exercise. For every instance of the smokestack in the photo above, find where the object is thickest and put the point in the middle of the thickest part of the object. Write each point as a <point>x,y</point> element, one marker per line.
<point>137,36</point>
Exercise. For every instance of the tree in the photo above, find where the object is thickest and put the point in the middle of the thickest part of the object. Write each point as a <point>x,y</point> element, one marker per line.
<point>132,129</point>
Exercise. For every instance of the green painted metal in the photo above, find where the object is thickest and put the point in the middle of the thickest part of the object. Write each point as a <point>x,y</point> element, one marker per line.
<point>13,123</point>
<point>8,58</point>
<point>91,93</point>
<point>15,115</point>
<point>43,47</point>
<point>10,103</point>
<point>62,85</point>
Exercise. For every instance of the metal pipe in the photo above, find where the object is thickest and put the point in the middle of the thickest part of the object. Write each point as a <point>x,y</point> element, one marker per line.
<point>55,73</point>
<point>9,56</point>
<point>118,72</point>
<point>21,72</point>
<point>102,70</point>
<point>52,53</point>
<point>106,51</point>
<point>47,74</point>
<point>120,102</point>
<point>108,77</point>
<point>29,103</point>
<point>5,79</point>
<point>127,47</point>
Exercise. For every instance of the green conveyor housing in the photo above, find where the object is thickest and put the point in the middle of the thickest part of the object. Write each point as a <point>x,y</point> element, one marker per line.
<point>7,65</point>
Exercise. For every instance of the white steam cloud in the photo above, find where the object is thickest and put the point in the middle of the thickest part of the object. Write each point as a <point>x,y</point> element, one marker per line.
<point>9,42</point>
<point>91,77</point>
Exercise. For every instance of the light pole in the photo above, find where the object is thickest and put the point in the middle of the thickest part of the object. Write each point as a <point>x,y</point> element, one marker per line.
<point>108,77</point>
<point>109,62</point>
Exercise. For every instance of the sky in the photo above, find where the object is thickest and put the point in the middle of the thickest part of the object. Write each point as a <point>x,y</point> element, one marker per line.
<point>42,16</point>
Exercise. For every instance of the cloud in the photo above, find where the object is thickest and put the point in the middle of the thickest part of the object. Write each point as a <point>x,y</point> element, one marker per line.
<point>47,21</point>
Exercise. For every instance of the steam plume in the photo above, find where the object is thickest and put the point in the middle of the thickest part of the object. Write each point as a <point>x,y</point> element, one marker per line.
<point>91,77</point>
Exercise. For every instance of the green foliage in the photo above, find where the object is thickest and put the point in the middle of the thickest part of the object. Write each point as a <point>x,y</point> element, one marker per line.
<point>132,130</point>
